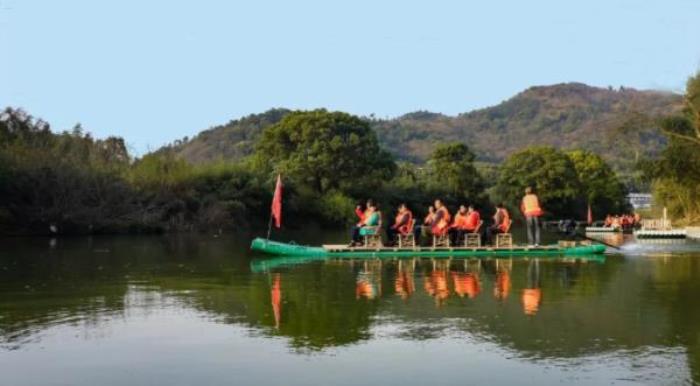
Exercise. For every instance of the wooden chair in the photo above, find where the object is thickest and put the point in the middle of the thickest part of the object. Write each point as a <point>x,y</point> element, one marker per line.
<point>473,240</point>
<point>373,239</point>
<point>407,239</point>
<point>442,239</point>
<point>505,239</point>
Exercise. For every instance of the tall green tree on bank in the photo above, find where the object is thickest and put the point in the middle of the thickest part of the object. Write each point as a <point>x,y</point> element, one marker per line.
<point>325,151</point>
<point>675,175</point>
<point>452,172</point>
<point>550,172</point>
<point>600,186</point>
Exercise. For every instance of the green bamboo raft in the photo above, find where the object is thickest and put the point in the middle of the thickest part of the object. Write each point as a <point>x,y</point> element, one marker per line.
<point>339,251</point>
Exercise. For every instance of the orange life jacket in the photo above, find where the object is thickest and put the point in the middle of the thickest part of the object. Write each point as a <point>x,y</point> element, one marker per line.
<point>444,222</point>
<point>531,206</point>
<point>473,219</point>
<point>408,225</point>
<point>460,221</point>
<point>505,224</point>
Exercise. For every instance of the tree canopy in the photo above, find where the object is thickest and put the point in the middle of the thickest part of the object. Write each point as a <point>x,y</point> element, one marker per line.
<point>325,150</point>
<point>600,186</point>
<point>675,175</point>
<point>452,171</point>
<point>550,172</point>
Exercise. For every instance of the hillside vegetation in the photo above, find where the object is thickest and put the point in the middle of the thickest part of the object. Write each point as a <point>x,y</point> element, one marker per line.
<point>565,116</point>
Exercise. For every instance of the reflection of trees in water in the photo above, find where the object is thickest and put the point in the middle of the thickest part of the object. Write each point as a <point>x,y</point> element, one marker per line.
<point>40,291</point>
<point>673,285</point>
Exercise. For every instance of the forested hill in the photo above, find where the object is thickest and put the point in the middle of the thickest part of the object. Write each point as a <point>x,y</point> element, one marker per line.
<point>570,115</point>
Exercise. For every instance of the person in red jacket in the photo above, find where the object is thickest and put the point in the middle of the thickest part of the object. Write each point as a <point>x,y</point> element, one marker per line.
<point>459,226</point>
<point>501,222</point>
<point>466,221</point>
<point>361,213</point>
<point>401,224</point>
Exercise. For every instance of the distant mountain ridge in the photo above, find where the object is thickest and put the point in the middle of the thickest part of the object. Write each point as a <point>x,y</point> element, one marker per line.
<point>567,115</point>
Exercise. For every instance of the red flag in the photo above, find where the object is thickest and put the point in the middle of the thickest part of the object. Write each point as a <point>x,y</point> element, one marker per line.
<point>277,202</point>
<point>590,215</point>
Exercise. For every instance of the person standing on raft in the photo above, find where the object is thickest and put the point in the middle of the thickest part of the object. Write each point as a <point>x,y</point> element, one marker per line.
<point>532,211</point>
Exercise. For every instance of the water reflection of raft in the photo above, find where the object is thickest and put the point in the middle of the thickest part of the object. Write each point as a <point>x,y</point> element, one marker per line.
<point>288,249</point>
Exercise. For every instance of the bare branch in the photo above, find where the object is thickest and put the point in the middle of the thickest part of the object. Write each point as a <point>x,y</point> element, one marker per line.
<point>681,136</point>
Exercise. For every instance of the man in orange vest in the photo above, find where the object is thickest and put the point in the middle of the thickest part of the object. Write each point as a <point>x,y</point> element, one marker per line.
<point>401,224</point>
<point>501,222</point>
<point>459,226</point>
<point>441,219</point>
<point>466,221</point>
<point>530,207</point>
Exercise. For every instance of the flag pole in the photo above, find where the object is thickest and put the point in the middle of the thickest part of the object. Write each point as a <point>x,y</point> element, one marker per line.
<point>269,227</point>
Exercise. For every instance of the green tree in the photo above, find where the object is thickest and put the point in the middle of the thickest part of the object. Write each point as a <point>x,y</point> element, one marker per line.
<point>600,185</point>
<point>675,175</point>
<point>452,171</point>
<point>691,112</point>
<point>550,172</point>
<point>325,150</point>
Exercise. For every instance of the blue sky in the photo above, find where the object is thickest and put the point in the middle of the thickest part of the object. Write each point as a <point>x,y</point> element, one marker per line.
<point>156,71</point>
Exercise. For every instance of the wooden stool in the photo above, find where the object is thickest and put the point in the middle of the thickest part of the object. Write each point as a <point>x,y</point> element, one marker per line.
<point>504,240</point>
<point>441,240</point>
<point>373,239</point>
<point>472,240</point>
<point>407,240</point>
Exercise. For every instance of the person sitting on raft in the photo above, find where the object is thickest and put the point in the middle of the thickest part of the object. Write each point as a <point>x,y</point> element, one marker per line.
<point>401,224</point>
<point>636,221</point>
<point>458,227</point>
<point>501,222</point>
<point>616,223</point>
<point>367,226</point>
<point>473,220</point>
<point>441,220</point>
<point>608,221</point>
<point>361,213</point>
<point>465,221</point>
<point>420,229</point>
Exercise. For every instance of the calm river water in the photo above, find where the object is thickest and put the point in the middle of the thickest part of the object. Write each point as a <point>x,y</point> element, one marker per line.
<point>204,310</point>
